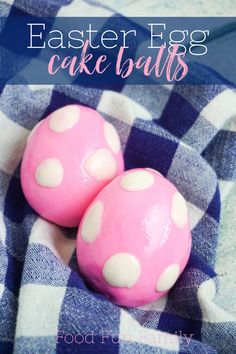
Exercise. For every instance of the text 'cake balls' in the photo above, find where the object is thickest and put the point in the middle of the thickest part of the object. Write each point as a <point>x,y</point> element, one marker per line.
<point>70,156</point>
<point>134,240</point>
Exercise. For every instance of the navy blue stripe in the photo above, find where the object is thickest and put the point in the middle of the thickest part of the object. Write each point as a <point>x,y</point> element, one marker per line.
<point>214,207</point>
<point>145,149</point>
<point>221,154</point>
<point>16,207</point>
<point>175,324</point>
<point>178,115</point>
<point>6,347</point>
<point>13,274</point>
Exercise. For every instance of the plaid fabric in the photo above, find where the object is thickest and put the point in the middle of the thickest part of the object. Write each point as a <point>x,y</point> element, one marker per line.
<point>182,131</point>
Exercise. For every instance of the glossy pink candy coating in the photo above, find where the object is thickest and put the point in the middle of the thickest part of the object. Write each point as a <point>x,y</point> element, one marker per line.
<point>133,243</point>
<point>84,155</point>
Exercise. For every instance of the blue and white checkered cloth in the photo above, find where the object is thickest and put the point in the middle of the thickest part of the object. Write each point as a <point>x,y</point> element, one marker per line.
<point>182,131</point>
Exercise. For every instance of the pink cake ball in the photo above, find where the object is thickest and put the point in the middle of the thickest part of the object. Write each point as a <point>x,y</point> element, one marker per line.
<point>70,156</point>
<point>134,239</point>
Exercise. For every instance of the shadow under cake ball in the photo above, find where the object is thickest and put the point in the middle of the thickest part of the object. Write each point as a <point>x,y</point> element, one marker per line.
<point>69,157</point>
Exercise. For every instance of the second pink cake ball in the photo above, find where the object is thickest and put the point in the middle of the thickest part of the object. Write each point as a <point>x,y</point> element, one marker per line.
<point>134,239</point>
<point>70,156</point>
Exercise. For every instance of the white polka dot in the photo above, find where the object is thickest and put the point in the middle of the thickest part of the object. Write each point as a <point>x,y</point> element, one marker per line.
<point>33,131</point>
<point>137,180</point>
<point>101,165</point>
<point>168,278</point>
<point>92,222</point>
<point>49,173</point>
<point>179,212</point>
<point>64,119</point>
<point>112,137</point>
<point>122,270</point>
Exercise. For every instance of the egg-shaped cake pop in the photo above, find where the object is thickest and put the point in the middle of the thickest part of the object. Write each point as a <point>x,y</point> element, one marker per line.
<point>70,156</point>
<point>134,239</point>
